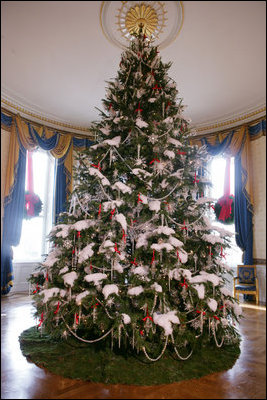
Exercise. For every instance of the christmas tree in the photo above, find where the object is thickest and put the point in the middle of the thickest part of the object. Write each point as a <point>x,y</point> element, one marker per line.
<point>136,261</point>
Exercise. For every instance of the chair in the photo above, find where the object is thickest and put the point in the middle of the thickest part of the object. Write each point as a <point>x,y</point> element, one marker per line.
<point>246,281</point>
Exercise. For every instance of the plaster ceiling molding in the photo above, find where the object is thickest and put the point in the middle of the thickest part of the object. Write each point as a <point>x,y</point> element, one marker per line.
<point>16,104</point>
<point>162,21</point>
<point>231,120</point>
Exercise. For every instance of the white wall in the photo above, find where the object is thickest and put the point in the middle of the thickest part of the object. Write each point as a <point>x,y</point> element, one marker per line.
<point>21,272</point>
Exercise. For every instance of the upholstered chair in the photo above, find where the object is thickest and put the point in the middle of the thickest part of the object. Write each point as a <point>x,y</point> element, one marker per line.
<point>246,281</point>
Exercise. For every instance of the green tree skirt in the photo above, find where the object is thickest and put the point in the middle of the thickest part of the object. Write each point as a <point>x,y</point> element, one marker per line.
<point>97,363</point>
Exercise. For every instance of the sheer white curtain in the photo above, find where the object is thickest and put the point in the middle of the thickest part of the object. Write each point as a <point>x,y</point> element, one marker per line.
<point>216,169</point>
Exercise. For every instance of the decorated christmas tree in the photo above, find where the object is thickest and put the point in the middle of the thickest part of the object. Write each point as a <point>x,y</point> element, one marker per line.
<point>136,262</point>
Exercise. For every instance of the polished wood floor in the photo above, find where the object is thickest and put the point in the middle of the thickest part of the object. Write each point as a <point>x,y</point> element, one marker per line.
<point>24,380</point>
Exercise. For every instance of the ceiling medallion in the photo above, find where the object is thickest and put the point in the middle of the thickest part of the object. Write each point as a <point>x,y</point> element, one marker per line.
<point>162,21</point>
<point>141,14</point>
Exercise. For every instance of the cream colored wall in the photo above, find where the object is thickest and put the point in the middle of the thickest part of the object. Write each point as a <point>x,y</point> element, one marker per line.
<point>258,155</point>
<point>5,139</point>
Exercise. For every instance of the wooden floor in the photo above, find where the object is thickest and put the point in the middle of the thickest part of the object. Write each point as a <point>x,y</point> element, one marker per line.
<point>24,380</point>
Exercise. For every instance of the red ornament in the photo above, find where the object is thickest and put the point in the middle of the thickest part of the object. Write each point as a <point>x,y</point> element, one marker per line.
<point>46,277</point>
<point>215,316</point>
<point>77,318</point>
<point>78,234</point>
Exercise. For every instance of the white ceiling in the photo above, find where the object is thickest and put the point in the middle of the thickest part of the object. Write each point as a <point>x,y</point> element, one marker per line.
<point>56,59</point>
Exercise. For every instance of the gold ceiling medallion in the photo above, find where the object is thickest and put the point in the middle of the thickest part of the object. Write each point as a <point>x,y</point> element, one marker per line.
<point>141,14</point>
<point>152,16</point>
<point>161,20</point>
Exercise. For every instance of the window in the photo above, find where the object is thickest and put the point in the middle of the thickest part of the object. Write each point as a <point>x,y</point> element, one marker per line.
<point>33,243</point>
<point>217,170</point>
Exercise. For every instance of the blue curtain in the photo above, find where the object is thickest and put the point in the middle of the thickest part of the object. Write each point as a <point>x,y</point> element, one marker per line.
<point>243,217</point>
<point>12,223</point>
<point>14,202</point>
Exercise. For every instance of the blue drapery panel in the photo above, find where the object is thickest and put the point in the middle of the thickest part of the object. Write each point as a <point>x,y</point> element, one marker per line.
<point>14,201</point>
<point>243,217</point>
<point>243,210</point>
<point>12,223</point>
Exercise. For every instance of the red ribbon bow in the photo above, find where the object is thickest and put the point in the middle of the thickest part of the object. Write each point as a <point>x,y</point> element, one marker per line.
<point>184,284</point>
<point>138,109</point>
<point>196,180</point>
<point>226,203</point>
<point>112,213</point>
<point>156,87</point>
<point>154,159</point>
<point>133,262</point>
<point>147,316</point>
<point>37,289</point>
<point>184,227</point>
<point>30,201</point>
<point>139,200</point>
<point>212,206</point>
<point>96,166</point>
<point>133,221</point>
<point>210,253</point>
<point>95,305</point>
<point>78,234</point>
<point>41,320</point>
<point>99,210</point>
<point>199,312</point>
<point>124,236</point>
<point>55,312</point>
<point>168,105</point>
<point>153,257</point>
<point>181,152</point>
<point>222,255</point>
<point>116,249</point>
